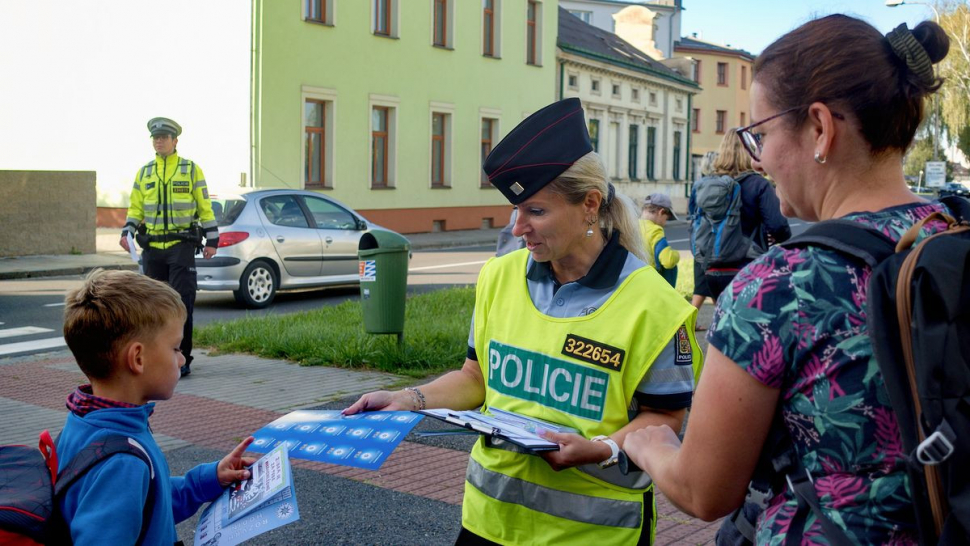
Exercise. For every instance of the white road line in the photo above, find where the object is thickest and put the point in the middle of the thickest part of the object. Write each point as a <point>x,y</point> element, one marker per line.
<point>442,266</point>
<point>60,304</point>
<point>25,331</point>
<point>26,346</point>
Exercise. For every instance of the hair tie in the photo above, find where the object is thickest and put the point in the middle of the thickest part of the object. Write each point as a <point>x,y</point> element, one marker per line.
<point>908,49</point>
<point>610,192</point>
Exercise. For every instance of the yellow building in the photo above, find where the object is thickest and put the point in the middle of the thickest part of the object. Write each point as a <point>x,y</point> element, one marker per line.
<point>724,75</point>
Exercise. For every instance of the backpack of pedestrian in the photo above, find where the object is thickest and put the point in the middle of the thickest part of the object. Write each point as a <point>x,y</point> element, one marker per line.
<point>30,487</point>
<point>918,318</point>
<point>716,237</point>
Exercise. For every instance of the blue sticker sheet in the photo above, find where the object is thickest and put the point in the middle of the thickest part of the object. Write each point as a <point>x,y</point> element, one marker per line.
<point>364,440</point>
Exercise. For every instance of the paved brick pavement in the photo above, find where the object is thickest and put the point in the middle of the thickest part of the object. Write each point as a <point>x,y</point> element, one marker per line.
<point>229,396</point>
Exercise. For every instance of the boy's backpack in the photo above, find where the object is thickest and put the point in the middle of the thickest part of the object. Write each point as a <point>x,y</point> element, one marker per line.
<point>918,319</point>
<point>30,487</point>
<point>715,235</point>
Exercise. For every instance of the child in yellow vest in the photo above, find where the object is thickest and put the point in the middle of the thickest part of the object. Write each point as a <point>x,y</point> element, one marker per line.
<point>657,209</point>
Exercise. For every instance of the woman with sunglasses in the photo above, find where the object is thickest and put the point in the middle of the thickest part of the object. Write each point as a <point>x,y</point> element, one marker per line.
<point>838,105</point>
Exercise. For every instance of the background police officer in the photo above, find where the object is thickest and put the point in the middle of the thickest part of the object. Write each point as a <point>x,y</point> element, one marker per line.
<point>171,201</point>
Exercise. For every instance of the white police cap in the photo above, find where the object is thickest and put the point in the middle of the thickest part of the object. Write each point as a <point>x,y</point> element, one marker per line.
<point>164,125</point>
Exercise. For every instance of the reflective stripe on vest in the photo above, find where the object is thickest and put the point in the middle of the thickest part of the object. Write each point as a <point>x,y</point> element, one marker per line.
<point>561,504</point>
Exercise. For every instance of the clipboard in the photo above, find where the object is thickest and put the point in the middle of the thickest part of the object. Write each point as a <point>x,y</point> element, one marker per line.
<point>493,427</point>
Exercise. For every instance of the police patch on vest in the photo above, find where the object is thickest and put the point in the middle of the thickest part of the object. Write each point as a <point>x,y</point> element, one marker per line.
<point>552,382</point>
<point>150,185</point>
<point>205,193</point>
<point>594,352</point>
<point>684,352</point>
<point>180,190</point>
<point>180,183</point>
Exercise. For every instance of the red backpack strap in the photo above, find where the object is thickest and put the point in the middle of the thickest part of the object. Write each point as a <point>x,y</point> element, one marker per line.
<point>46,445</point>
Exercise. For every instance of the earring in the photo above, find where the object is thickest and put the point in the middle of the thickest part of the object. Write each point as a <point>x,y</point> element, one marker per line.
<point>819,159</point>
<point>589,230</point>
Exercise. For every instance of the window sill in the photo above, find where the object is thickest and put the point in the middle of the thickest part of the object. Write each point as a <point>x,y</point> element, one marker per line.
<point>445,47</point>
<point>317,22</point>
<point>723,85</point>
<point>487,186</point>
<point>382,187</point>
<point>316,187</point>
<point>440,187</point>
<point>388,36</point>
<point>496,57</point>
<point>533,64</point>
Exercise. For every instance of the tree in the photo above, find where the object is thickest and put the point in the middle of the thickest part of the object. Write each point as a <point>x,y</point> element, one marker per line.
<point>955,70</point>
<point>918,154</point>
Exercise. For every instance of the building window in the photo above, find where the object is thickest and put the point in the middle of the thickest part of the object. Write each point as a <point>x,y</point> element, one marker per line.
<point>680,104</point>
<point>653,99</point>
<point>719,121</point>
<point>594,86</point>
<point>722,73</point>
<point>635,95</point>
<point>651,151</point>
<point>318,11</point>
<point>744,120</point>
<point>440,150</point>
<point>744,78</point>
<point>676,155</point>
<point>634,143</point>
<point>533,38</point>
<point>594,134</point>
<point>382,133</point>
<point>697,71</point>
<point>573,81</point>
<point>616,90</point>
<point>385,18</point>
<point>696,122</point>
<point>315,160</point>
<point>443,13</point>
<point>586,16</point>
<point>491,28</point>
<point>489,135</point>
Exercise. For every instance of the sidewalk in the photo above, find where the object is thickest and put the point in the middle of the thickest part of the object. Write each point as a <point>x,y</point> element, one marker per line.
<point>414,498</point>
<point>111,256</point>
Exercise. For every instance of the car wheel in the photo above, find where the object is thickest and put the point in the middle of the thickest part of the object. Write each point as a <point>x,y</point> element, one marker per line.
<point>257,286</point>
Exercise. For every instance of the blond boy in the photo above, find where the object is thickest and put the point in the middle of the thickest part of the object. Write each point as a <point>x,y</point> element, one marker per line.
<point>657,209</point>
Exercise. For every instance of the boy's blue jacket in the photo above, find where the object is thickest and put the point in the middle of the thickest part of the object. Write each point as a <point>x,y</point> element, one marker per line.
<point>105,505</point>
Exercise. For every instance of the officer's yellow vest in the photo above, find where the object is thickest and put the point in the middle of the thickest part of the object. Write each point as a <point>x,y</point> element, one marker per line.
<point>165,189</point>
<point>581,372</point>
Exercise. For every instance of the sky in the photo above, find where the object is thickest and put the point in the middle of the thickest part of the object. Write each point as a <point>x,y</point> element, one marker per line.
<point>753,24</point>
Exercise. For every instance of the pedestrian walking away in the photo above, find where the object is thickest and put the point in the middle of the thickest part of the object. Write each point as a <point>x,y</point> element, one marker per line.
<point>792,428</point>
<point>574,329</point>
<point>169,216</point>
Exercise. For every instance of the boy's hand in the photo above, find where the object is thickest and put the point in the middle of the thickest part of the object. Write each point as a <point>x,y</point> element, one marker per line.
<point>232,467</point>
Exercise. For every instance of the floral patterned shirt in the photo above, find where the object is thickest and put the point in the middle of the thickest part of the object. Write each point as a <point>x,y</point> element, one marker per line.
<point>795,320</point>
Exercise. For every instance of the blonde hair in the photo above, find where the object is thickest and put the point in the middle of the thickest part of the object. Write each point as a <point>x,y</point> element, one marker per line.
<point>112,308</point>
<point>589,174</point>
<point>707,163</point>
<point>732,159</point>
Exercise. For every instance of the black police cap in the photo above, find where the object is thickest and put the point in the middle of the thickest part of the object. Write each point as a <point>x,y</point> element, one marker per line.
<point>538,150</point>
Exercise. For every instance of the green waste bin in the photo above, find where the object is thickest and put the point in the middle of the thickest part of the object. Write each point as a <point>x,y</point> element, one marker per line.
<point>383,269</point>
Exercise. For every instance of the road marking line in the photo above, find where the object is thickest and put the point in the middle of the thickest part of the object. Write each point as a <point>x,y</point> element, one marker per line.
<point>25,331</point>
<point>60,304</point>
<point>446,265</point>
<point>25,346</point>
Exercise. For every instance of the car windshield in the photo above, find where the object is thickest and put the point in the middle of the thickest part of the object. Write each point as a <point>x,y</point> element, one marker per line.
<point>227,210</point>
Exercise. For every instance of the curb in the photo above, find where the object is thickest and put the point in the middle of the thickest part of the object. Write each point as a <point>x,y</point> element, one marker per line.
<point>62,271</point>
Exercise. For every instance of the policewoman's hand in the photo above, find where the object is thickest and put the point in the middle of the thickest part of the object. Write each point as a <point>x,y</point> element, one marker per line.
<point>208,252</point>
<point>124,244</point>
<point>574,450</point>
<point>232,467</point>
<point>382,401</point>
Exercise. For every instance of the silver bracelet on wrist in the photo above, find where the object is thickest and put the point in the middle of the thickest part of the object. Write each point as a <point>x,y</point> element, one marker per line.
<point>419,400</point>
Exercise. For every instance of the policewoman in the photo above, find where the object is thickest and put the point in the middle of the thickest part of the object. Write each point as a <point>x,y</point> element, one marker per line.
<point>169,211</point>
<point>573,329</point>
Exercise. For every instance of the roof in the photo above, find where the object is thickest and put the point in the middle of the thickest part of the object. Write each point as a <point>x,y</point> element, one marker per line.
<point>694,43</point>
<point>577,37</point>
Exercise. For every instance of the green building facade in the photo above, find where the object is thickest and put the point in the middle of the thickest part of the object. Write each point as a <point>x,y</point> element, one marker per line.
<point>390,105</point>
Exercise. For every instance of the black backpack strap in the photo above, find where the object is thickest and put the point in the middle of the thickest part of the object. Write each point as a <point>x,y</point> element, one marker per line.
<point>848,237</point>
<point>99,450</point>
<point>958,206</point>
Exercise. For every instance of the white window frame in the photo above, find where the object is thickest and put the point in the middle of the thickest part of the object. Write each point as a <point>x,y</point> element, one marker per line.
<point>449,25</point>
<point>496,117</point>
<point>540,9</point>
<point>448,110</point>
<point>596,86</point>
<point>616,90</point>
<point>572,75</point>
<point>392,103</point>
<point>329,98</point>
<point>395,19</point>
<point>328,16</point>
<point>496,30</point>
<point>635,95</point>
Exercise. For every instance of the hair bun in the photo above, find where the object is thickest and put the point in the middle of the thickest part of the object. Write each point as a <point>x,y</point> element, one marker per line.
<point>934,40</point>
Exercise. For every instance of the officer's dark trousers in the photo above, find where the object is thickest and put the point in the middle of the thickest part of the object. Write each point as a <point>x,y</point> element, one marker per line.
<point>176,266</point>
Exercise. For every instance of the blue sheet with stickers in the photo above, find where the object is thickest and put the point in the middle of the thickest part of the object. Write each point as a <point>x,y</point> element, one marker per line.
<point>363,440</point>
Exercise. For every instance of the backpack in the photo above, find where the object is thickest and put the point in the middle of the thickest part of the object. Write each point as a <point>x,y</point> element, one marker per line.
<point>918,319</point>
<point>31,487</point>
<point>716,238</point>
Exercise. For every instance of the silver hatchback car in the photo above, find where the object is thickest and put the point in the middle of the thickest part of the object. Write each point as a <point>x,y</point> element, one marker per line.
<point>273,240</point>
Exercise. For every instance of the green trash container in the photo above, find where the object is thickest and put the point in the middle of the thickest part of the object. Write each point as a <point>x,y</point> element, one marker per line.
<point>383,266</point>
